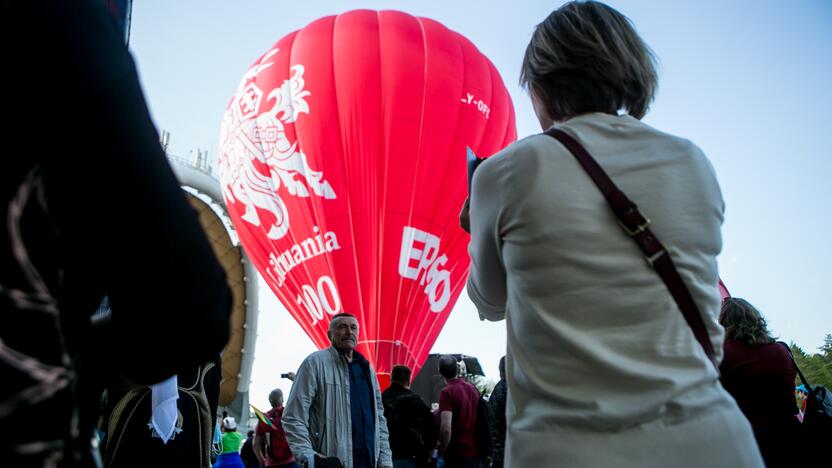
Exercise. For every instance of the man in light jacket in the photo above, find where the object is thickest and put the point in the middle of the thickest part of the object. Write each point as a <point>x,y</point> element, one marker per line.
<point>335,407</point>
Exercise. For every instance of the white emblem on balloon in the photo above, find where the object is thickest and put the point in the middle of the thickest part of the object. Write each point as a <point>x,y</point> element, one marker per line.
<point>256,156</point>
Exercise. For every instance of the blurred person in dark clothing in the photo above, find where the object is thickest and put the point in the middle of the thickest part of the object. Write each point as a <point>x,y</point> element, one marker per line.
<point>497,411</point>
<point>413,433</point>
<point>247,452</point>
<point>90,208</point>
<point>759,373</point>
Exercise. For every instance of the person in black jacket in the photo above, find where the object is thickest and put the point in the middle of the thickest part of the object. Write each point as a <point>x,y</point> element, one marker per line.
<point>90,208</point>
<point>247,452</point>
<point>497,413</point>
<point>413,433</point>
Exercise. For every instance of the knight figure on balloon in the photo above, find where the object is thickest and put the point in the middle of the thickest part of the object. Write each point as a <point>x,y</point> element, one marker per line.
<point>257,156</point>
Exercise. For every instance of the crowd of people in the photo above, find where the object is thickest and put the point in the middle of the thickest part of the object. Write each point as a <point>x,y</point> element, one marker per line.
<point>467,431</point>
<point>601,368</point>
<point>337,416</point>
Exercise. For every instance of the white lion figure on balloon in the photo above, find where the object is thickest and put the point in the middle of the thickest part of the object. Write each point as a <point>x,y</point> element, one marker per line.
<point>246,137</point>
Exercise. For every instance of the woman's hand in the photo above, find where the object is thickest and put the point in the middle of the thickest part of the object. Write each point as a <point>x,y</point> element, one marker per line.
<point>465,216</point>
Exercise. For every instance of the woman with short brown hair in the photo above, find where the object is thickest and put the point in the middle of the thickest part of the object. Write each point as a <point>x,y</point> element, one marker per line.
<point>586,57</point>
<point>602,368</point>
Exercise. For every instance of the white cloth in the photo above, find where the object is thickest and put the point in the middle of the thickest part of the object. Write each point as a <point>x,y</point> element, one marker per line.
<point>164,412</point>
<point>602,369</point>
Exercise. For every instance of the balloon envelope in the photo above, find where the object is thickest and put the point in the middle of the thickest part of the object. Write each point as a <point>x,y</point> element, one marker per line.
<point>343,167</point>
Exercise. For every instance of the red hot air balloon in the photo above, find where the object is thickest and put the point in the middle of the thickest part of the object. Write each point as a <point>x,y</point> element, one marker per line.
<point>343,168</point>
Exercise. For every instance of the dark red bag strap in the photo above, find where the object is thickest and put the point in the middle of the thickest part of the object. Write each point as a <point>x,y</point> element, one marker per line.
<point>797,369</point>
<point>636,225</point>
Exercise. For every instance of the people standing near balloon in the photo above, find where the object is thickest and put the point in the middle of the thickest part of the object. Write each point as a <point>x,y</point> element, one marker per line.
<point>758,372</point>
<point>93,209</point>
<point>270,445</point>
<point>602,368</point>
<point>335,407</point>
<point>313,196</point>
<point>458,402</point>
<point>497,411</point>
<point>413,434</point>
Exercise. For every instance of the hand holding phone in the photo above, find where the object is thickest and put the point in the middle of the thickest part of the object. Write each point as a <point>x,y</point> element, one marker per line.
<point>465,216</point>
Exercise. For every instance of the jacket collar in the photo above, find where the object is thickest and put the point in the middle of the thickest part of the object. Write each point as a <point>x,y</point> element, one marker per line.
<point>395,390</point>
<point>356,356</point>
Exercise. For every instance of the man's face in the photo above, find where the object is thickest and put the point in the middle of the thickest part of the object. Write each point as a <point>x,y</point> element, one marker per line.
<point>344,334</point>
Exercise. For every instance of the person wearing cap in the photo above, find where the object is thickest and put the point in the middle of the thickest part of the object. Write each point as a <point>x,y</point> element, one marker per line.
<point>231,442</point>
<point>335,410</point>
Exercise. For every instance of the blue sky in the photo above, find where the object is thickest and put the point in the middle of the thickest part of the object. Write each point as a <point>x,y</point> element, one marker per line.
<point>748,81</point>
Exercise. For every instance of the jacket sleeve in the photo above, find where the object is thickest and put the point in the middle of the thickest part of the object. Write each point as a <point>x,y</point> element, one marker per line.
<point>487,280</point>
<point>385,455</point>
<point>296,415</point>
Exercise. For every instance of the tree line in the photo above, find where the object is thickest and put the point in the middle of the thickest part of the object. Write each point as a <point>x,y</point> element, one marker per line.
<point>817,368</point>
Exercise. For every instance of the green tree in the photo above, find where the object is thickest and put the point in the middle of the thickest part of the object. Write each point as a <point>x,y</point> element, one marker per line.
<point>826,349</point>
<point>817,368</point>
<point>478,381</point>
<point>826,354</point>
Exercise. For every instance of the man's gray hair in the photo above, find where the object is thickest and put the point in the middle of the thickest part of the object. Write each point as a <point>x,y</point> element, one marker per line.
<point>337,318</point>
<point>276,397</point>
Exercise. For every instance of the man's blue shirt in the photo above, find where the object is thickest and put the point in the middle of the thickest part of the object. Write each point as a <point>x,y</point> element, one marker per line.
<point>361,410</point>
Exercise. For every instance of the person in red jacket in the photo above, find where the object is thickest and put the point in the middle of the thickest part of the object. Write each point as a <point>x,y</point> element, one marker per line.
<point>758,372</point>
<point>270,444</point>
